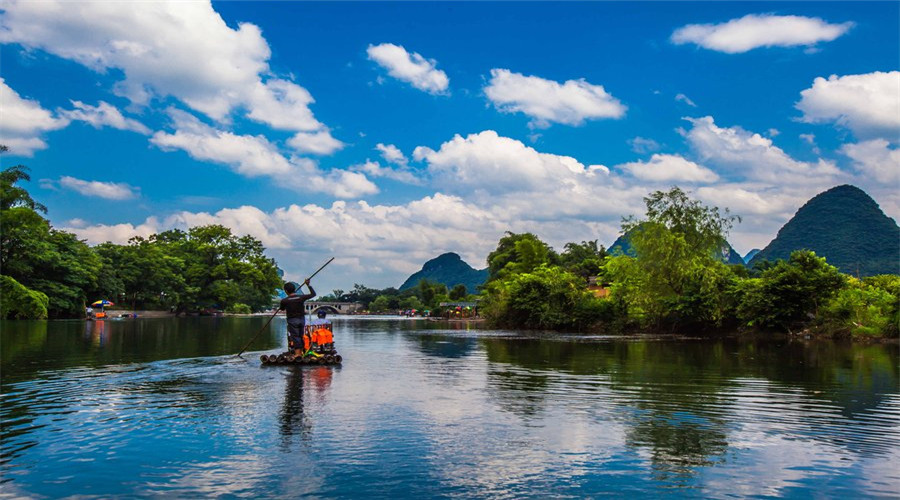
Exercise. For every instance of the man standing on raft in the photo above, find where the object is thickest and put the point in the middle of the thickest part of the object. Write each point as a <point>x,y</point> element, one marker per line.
<point>294,310</point>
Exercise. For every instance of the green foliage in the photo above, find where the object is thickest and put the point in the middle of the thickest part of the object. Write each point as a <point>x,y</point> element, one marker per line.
<point>518,253</point>
<point>702,228</point>
<point>584,259</point>
<point>431,293</point>
<point>789,294</point>
<point>239,309</point>
<point>218,269</point>
<point>674,277</point>
<point>380,304</point>
<point>547,298</point>
<point>412,302</point>
<point>18,302</point>
<point>204,267</point>
<point>15,196</point>
<point>862,310</point>
<point>458,292</point>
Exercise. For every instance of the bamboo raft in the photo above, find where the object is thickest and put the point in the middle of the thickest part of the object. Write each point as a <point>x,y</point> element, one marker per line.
<point>290,359</point>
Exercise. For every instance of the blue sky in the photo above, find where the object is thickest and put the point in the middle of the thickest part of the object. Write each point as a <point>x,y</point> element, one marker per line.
<point>385,134</point>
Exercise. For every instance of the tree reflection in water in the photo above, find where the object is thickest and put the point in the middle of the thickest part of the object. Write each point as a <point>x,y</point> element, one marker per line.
<point>677,398</point>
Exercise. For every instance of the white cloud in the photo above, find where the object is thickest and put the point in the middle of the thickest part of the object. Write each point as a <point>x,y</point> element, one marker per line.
<point>670,168</point>
<point>254,156</point>
<point>876,159</point>
<point>319,143</point>
<point>107,190</point>
<point>247,155</point>
<point>115,233</point>
<point>392,154</point>
<point>488,162</point>
<point>811,140</point>
<point>685,99</point>
<point>643,145</point>
<point>24,121</point>
<point>400,174</point>
<point>180,49</point>
<point>338,183</point>
<point>546,101</point>
<point>518,182</point>
<point>753,31</point>
<point>282,105</point>
<point>412,68</point>
<point>867,104</point>
<point>748,155</point>
<point>104,114</point>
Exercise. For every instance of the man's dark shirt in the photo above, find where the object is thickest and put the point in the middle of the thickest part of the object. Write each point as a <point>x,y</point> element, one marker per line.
<point>293,304</point>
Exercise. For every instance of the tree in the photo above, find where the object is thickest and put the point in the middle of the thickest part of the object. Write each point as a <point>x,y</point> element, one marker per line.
<point>458,292</point>
<point>584,259</point>
<point>547,298</point>
<point>789,294</point>
<point>518,253</point>
<point>703,228</point>
<point>15,196</point>
<point>431,293</point>
<point>380,304</point>
<point>18,302</point>
<point>674,276</point>
<point>412,302</point>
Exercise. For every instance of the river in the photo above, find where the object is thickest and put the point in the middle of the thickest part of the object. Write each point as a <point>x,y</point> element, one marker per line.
<point>162,407</point>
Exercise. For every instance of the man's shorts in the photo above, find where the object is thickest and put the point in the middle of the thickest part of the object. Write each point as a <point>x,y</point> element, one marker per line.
<point>295,332</point>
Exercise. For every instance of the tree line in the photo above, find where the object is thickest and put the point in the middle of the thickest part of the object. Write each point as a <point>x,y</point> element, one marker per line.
<point>427,295</point>
<point>673,280</point>
<point>49,273</point>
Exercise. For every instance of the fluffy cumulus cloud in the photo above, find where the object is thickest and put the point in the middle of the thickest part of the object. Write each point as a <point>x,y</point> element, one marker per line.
<point>489,162</point>
<point>254,156</point>
<point>670,168</point>
<point>401,173</point>
<point>486,184</point>
<point>179,49</point>
<point>24,122</point>
<point>247,155</point>
<point>517,181</point>
<point>319,143</point>
<point>753,31</point>
<point>747,155</point>
<point>392,154</point>
<point>876,159</point>
<point>409,67</point>
<point>867,104</point>
<point>546,101</point>
<point>103,115</point>
<point>99,189</point>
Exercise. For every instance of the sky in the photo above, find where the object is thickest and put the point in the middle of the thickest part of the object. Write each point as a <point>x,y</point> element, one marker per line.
<point>385,134</point>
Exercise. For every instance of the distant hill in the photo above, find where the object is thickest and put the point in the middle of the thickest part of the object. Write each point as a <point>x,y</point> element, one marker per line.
<point>750,255</point>
<point>623,244</point>
<point>847,227</point>
<point>450,270</point>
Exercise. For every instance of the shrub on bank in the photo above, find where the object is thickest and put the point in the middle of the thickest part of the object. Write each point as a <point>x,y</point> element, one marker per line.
<point>548,298</point>
<point>862,310</point>
<point>19,302</point>
<point>239,309</point>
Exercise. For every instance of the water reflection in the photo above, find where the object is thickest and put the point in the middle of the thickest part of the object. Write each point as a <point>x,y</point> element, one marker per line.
<point>304,385</point>
<point>137,408</point>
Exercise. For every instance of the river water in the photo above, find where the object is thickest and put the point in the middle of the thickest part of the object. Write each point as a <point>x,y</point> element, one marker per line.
<point>161,407</point>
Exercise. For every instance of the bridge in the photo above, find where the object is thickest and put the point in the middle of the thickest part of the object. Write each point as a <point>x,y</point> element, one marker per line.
<point>333,307</point>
